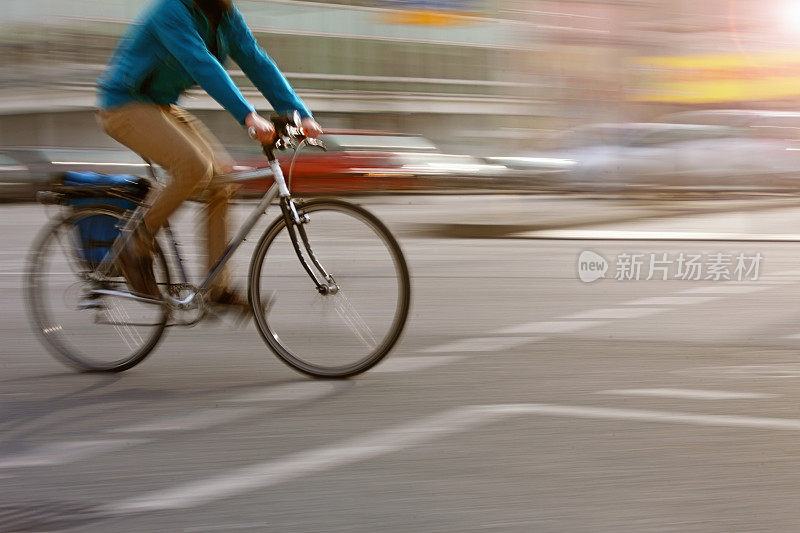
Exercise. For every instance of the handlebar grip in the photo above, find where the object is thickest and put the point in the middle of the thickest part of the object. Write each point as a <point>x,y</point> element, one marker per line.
<point>288,131</point>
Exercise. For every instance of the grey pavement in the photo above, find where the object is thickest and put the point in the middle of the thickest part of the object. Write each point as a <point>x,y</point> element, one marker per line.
<point>502,215</point>
<point>519,398</point>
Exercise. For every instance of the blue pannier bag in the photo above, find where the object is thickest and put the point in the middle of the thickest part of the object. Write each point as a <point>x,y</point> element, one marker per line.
<point>98,232</point>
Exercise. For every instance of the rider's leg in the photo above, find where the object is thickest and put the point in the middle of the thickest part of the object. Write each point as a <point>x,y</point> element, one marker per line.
<point>217,237</point>
<point>216,198</point>
<point>152,132</point>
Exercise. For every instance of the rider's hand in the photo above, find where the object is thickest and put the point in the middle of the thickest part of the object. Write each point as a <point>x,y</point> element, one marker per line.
<point>311,128</point>
<point>259,128</point>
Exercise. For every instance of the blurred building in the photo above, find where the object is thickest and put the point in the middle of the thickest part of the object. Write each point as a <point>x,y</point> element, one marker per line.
<point>473,75</point>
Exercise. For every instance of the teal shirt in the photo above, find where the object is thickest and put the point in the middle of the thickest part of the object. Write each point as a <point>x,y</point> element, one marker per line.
<point>165,52</point>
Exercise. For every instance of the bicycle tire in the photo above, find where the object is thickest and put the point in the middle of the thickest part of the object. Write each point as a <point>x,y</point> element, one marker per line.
<point>52,333</point>
<point>266,325</point>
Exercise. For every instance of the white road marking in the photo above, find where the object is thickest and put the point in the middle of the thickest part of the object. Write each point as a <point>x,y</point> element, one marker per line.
<point>481,344</point>
<point>260,526</point>
<point>669,417</point>
<point>689,393</point>
<point>306,390</point>
<point>382,442</point>
<point>410,364</point>
<point>786,273</point>
<point>769,371</point>
<point>726,288</point>
<point>202,419</point>
<point>300,464</point>
<point>673,300</point>
<point>66,452</point>
<point>621,235</point>
<point>558,326</point>
<point>617,312</point>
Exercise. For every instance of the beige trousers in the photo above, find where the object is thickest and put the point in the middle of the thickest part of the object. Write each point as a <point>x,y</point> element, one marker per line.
<point>175,140</point>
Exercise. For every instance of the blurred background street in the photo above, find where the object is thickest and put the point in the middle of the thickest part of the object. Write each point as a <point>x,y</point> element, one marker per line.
<point>452,94</point>
<point>513,148</point>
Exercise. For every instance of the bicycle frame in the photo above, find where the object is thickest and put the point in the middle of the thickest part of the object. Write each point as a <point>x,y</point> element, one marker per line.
<point>291,216</point>
<point>293,221</point>
<point>278,188</point>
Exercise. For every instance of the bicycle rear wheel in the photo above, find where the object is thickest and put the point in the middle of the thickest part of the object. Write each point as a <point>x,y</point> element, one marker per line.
<point>340,334</point>
<point>91,332</point>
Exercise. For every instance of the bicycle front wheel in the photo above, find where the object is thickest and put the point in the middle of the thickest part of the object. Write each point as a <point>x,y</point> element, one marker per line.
<point>343,333</point>
<point>84,329</point>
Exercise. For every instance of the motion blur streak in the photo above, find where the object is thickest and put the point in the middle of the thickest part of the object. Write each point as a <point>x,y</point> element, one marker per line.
<point>598,204</point>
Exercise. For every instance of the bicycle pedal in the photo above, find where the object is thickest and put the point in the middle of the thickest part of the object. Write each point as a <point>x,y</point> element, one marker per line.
<point>242,319</point>
<point>232,315</point>
<point>238,316</point>
<point>267,301</point>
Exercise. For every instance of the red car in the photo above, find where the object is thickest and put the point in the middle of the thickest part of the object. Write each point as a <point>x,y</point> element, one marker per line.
<point>364,161</point>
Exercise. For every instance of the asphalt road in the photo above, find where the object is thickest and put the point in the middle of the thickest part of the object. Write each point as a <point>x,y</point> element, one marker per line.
<point>519,399</point>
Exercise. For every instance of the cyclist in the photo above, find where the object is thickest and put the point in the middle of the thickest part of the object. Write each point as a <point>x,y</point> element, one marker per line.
<point>173,45</point>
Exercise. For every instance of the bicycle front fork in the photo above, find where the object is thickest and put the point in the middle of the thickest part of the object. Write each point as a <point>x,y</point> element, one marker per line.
<point>295,224</point>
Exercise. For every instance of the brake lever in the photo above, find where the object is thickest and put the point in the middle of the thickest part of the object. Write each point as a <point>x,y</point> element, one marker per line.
<point>317,143</point>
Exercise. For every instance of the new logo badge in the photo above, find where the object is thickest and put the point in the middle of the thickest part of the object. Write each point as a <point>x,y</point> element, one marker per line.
<point>591,266</point>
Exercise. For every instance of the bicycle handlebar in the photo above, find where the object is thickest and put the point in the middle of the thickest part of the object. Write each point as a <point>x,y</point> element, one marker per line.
<point>288,131</point>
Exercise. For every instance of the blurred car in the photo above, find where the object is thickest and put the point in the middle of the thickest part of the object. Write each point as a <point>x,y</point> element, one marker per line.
<point>532,173</point>
<point>25,171</point>
<point>737,118</point>
<point>367,162</point>
<point>770,124</point>
<point>676,156</point>
<point>17,182</point>
<point>733,117</point>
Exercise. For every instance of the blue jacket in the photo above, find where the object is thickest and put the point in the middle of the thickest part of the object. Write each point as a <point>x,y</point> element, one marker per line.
<point>164,52</point>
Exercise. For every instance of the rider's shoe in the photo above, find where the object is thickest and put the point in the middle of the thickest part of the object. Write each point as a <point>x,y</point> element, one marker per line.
<point>231,301</point>
<point>230,298</point>
<point>234,301</point>
<point>136,263</point>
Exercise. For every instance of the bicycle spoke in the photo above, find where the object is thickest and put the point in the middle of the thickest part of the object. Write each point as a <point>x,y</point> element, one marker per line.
<point>352,318</point>
<point>124,330</point>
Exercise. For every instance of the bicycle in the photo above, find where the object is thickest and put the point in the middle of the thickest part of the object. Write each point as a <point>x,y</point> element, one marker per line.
<point>331,311</point>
